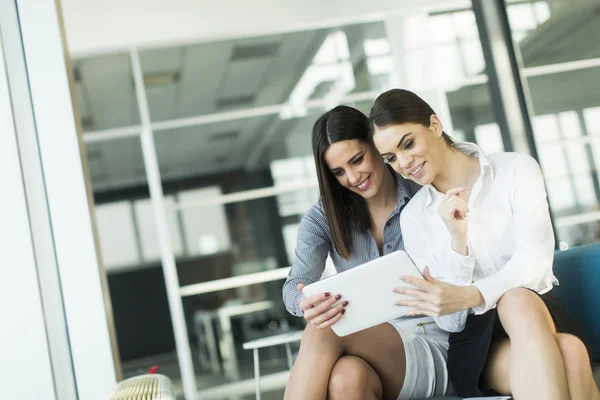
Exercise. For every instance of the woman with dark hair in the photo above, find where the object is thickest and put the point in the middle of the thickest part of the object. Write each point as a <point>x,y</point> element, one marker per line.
<point>355,221</point>
<point>480,232</point>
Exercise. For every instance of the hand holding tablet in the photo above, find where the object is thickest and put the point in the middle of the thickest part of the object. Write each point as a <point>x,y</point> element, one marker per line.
<point>368,289</point>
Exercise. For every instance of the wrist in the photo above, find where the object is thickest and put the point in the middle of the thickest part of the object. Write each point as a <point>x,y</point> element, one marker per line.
<point>460,246</point>
<point>473,297</point>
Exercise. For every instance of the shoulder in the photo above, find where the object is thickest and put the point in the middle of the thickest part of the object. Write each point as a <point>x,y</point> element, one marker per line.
<point>314,221</point>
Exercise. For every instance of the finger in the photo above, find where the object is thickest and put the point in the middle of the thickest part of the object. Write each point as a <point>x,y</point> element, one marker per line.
<point>414,293</point>
<point>313,300</point>
<point>457,202</point>
<point>320,309</point>
<point>455,191</point>
<point>329,314</point>
<point>418,282</point>
<point>452,206</point>
<point>428,277</point>
<point>332,321</point>
<point>300,286</point>
<point>410,303</point>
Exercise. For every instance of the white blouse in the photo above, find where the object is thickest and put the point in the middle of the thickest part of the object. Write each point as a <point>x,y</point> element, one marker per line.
<point>510,236</point>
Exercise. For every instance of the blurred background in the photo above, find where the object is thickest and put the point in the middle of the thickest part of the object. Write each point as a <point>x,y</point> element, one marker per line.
<point>231,106</point>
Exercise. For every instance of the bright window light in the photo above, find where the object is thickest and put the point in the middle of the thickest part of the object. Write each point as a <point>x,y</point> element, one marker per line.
<point>596,151</point>
<point>440,29</point>
<point>542,11</point>
<point>416,67</point>
<point>591,116</point>
<point>330,64</point>
<point>377,47</point>
<point>569,124</point>
<point>521,17</point>
<point>415,35</point>
<point>488,138</point>
<point>560,194</point>
<point>553,161</point>
<point>545,127</point>
<point>333,49</point>
<point>578,160</point>
<point>449,72</point>
<point>380,65</point>
<point>584,187</point>
<point>465,25</point>
<point>473,56</point>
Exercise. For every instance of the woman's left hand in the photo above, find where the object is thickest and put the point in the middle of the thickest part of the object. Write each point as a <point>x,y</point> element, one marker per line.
<point>436,298</point>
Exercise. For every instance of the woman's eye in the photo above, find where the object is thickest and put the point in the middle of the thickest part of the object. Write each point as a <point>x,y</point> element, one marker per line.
<point>409,144</point>
<point>359,160</point>
<point>389,159</point>
<point>338,173</point>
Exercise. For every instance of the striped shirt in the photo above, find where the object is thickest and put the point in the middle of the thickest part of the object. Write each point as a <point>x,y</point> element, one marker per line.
<point>315,243</point>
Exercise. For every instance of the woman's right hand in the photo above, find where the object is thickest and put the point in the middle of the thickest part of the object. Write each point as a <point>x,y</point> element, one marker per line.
<point>453,211</point>
<point>319,309</point>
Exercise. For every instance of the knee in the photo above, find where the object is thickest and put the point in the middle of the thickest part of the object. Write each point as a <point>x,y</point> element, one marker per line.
<point>574,353</point>
<point>518,309</point>
<point>352,378</point>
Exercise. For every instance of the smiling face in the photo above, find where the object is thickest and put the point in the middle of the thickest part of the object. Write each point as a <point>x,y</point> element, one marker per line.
<point>356,166</point>
<point>413,150</point>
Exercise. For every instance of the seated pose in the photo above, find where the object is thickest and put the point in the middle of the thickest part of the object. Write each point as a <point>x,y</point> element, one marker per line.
<point>480,232</point>
<point>355,221</point>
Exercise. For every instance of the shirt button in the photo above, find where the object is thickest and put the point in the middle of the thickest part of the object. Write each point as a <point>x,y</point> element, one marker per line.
<point>388,223</point>
<point>389,246</point>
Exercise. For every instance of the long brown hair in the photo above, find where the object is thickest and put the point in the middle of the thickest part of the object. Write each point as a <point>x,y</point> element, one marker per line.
<point>399,106</point>
<point>343,209</point>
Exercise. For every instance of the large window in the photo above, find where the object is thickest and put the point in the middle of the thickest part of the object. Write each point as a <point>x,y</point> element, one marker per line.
<point>231,123</point>
<point>562,66</point>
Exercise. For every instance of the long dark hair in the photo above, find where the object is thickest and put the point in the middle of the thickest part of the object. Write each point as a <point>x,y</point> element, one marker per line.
<point>399,106</point>
<point>344,209</point>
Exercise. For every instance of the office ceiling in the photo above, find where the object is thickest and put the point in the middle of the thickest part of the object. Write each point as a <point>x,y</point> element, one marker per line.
<point>219,77</point>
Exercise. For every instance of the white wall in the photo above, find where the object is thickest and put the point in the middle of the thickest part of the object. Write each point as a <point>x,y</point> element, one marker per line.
<point>95,26</point>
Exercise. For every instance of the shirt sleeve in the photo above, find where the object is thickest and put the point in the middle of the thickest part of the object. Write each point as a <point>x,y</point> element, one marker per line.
<point>455,269</point>
<point>533,237</point>
<point>312,247</point>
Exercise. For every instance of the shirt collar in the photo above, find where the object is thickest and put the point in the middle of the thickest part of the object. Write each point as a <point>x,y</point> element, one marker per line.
<point>472,150</point>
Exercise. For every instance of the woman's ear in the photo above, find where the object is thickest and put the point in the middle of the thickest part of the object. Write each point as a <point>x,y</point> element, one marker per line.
<point>435,125</point>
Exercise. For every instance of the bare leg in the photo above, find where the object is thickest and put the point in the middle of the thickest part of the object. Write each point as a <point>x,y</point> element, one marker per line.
<point>353,378</point>
<point>536,362</point>
<point>381,347</point>
<point>577,363</point>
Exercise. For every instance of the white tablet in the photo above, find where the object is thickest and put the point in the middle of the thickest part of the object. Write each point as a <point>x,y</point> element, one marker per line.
<point>368,290</point>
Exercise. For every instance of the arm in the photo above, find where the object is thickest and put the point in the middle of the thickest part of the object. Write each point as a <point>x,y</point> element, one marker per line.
<point>533,236</point>
<point>456,270</point>
<point>312,248</point>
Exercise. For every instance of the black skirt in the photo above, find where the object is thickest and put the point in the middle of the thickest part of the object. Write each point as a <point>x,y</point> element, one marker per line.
<point>469,348</point>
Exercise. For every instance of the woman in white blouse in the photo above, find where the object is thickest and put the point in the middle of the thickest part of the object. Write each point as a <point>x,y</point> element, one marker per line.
<point>480,232</point>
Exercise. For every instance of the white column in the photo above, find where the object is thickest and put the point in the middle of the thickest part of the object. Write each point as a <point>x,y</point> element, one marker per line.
<point>33,179</point>
<point>83,280</point>
<point>184,354</point>
<point>23,341</point>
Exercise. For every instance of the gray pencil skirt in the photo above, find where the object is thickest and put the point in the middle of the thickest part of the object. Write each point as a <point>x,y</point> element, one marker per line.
<point>426,349</point>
